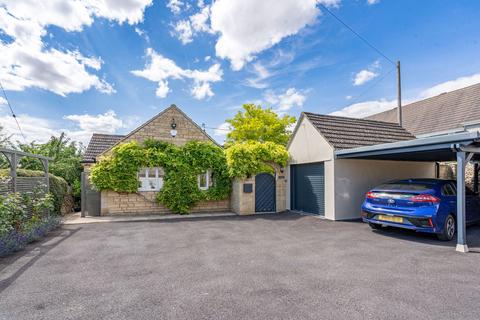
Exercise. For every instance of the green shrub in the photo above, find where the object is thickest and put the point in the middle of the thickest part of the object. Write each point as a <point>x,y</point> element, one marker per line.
<point>58,185</point>
<point>13,212</point>
<point>249,158</point>
<point>14,209</point>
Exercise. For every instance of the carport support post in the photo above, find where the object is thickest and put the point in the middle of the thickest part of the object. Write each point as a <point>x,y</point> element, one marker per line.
<point>461,229</point>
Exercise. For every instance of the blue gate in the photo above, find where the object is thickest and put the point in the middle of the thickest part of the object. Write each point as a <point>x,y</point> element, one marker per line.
<point>264,193</point>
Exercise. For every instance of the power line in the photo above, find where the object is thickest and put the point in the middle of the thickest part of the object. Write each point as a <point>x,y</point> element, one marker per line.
<point>357,34</point>
<point>13,113</point>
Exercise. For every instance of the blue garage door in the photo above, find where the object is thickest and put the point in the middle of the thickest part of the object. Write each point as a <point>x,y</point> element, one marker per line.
<point>308,188</point>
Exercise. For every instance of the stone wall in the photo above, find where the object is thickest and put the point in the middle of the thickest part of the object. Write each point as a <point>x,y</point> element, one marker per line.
<point>244,203</point>
<point>448,170</point>
<point>281,191</point>
<point>114,203</point>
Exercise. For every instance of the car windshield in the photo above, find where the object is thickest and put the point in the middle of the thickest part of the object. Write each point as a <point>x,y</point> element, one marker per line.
<point>405,186</point>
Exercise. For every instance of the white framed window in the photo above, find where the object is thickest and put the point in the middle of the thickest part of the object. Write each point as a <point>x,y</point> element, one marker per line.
<point>204,180</point>
<point>151,179</point>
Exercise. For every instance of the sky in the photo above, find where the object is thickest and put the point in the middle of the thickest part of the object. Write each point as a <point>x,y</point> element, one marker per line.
<point>107,66</point>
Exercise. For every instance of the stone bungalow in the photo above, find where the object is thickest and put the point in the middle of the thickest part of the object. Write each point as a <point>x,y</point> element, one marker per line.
<point>174,126</point>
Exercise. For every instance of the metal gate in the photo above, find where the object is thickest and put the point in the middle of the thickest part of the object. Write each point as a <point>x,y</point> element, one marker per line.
<point>308,188</point>
<point>264,193</point>
<point>90,198</point>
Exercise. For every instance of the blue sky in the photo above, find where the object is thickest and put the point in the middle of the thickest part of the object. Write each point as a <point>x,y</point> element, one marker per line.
<point>107,66</point>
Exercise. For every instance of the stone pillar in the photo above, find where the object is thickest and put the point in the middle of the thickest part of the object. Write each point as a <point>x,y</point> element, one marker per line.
<point>281,190</point>
<point>243,196</point>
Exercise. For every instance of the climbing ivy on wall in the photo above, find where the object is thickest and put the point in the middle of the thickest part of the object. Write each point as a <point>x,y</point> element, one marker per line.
<point>252,157</point>
<point>180,192</point>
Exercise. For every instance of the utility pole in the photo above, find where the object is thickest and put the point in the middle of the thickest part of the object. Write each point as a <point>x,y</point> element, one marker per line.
<point>399,94</point>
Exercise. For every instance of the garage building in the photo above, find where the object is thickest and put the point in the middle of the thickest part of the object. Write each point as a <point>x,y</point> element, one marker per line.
<point>322,184</point>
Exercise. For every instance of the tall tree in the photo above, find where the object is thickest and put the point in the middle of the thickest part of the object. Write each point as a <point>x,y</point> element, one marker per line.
<point>256,124</point>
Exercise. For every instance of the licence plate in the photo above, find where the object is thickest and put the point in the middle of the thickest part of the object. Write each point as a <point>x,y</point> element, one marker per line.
<point>390,218</point>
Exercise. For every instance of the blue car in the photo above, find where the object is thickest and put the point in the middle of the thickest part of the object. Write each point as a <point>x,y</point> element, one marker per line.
<point>423,205</point>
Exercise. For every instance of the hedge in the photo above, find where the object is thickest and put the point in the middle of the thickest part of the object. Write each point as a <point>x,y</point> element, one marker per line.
<point>58,185</point>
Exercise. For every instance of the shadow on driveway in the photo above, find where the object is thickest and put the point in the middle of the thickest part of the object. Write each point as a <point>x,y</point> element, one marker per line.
<point>21,261</point>
<point>473,237</point>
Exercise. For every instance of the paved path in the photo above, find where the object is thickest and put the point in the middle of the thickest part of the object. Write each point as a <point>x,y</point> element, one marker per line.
<point>261,267</point>
<point>75,218</point>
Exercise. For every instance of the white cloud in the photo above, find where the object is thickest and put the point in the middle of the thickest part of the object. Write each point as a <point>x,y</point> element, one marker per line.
<point>247,27</point>
<point>3,101</point>
<point>202,91</point>
<point>159,69</point>
<point>222,130</point>
<point>41,129</point>
<point>130,11</point>
<point>142,33</point>
<point>52,70</point>
<point>367,74</point>
<point>372,2</point>
<point>363,77</point>
<point>287,100</point>
<point>451,85</point>
<point>366,108</point>
<point>34,129</point>
<point>185,30</point>
<point>107,122</point>
<point>175,6</point>
<point>27,62</point>
<point>261,74</point>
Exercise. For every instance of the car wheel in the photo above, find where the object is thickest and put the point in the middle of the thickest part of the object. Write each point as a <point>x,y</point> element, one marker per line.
<point>375,226</point>
<point>449,229</point>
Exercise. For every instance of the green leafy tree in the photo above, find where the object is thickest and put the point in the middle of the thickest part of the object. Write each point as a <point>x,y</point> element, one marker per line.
<point>252,157</point>
<point>66,156</point>
<point>257,124</point>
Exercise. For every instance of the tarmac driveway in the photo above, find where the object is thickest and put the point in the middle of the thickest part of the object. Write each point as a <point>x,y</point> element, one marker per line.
<point>263,267</point>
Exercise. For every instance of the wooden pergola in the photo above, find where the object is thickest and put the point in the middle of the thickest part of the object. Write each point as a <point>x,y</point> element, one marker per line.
<point>14,157</point>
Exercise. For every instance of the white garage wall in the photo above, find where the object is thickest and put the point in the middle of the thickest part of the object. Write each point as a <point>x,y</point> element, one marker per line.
<point>308,146</point>
<point>353,178</point>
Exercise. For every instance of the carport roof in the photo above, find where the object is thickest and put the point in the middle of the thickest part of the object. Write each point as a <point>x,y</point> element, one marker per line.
<point>438,148</point>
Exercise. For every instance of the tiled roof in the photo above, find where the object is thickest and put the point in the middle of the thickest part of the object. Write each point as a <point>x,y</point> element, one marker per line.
<point>444,112</point>
<point>99,143</point>
<point>346,133</point>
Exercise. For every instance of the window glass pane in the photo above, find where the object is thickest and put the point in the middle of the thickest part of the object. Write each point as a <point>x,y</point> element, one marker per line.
<point>202,180</point>
<point>142,173</point>
<point>152,183</point>
<point>143,184</point>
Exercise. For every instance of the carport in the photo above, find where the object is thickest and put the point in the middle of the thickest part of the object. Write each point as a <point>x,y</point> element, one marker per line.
<point>460,147</point>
